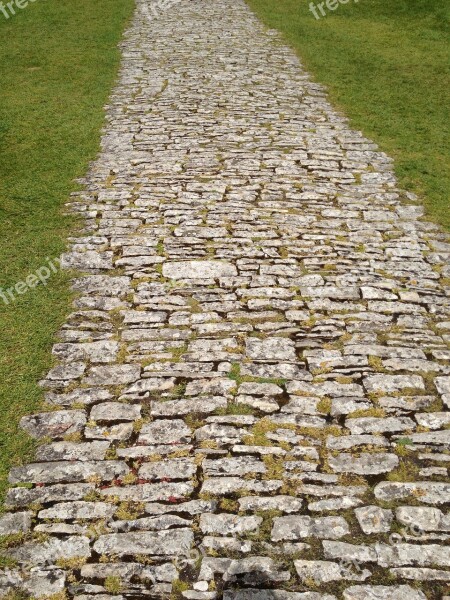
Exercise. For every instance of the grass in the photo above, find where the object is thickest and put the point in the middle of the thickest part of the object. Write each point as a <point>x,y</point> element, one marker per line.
<point>387,67</point>
<point>58,60</point>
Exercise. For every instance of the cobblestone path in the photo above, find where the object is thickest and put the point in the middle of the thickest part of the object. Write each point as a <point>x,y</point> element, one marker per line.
<point>250,399</point>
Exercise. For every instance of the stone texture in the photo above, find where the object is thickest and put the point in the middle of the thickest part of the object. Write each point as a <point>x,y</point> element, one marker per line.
<point>198,269</point>
<point>373,519</point>
<point>273,350</point>
<point>54,424</point>
<point>295,528</point>
<point>382,592</point>
<point>162,543</point>
<point>365,464</point>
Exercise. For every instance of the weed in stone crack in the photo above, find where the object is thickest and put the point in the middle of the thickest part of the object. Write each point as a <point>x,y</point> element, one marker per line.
<point>178,587</point>
<point>229,505</point>
<point>194,421</point>
<point>128,511</point>
<point>93,496</point>
<point>235,372</point>
<point>7,563</point>
<point>324,406</point>
<point>160,248</point>
<point>16,595</point>
<point>129,479</point>
<point>178,351</point>
<point>13,540</point>
<point>96,529</point>
<point>406,471</point>
<point>73,437</point>
<point>257,435</point>
<point>274,467</point>
<point>368,412</point>
<point>137,425</point>
<point>265,529</point>
<point>233,408</point>
<point>113,585</point>
<point>376,363</point>
<point>111,453</point>
<point>71,563</point>
<point>179,390</point>
<point>401,447</point>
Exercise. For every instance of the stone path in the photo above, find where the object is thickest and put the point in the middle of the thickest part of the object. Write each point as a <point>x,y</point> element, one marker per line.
<point>251,396</point>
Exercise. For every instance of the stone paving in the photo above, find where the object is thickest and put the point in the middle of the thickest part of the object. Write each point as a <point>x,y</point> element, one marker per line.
<point>250,398</point>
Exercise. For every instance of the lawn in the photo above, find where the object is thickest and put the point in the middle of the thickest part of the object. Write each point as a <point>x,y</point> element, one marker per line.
<point>386,64</point>
<point>59,60</point>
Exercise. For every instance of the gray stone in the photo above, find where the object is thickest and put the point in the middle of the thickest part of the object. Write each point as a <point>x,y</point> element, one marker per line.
<point>113,375</point>
<point>175,408</point>
<point>159,523</point>
<point>15,522</point>
<point>103,351</point>
<point>228,485</point>
<point>382,592</point>
<point>424,491</point>
<point>333,504</point>
<point>193,507</point>
<point>50,551</point>
<point>45,582</point>
<point>72,451</point>
<point>442,384</point>
<point>150,492</point>
<point>298,527</point>
<point>286,504</point>
<point>162,543</point>
<point>351,441</point>
<point>373,519</point>
<point>59,472</point>
<point>226,524</point>
<point>364,464</point>
<point>165,432</point>
<point>233,466</point>
<point>226,544</point>
<point>363,425</point>
<point>78,510</point>
<point>275,348</point>
<point>198,269</point>
<point>422,575</point>
<point>272,594</point>
<point>349,552</point>
<point>21,497</point>
<point>393,383</point>
<point>269,260</point>
<point>115,411</point>
<point>54,424</point>
<point>178,468</point>
<point>419,555</point>
<point>421,518</point>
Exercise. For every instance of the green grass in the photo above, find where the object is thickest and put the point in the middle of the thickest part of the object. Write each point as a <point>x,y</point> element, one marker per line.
<point>386,63</point>
<point>59,60</point>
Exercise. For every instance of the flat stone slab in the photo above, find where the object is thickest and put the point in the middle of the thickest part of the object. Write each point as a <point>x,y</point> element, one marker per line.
<point>198,269</point>
<point>161,543</point>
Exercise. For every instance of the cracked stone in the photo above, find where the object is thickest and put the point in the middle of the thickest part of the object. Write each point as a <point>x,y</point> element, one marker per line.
<point>364,464</point>
<point>176,542</point>
<point>198,269</point>
<point>54,424</point>
<point>373,519</point>
<point>298,527</point>
<point>225,524</point>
